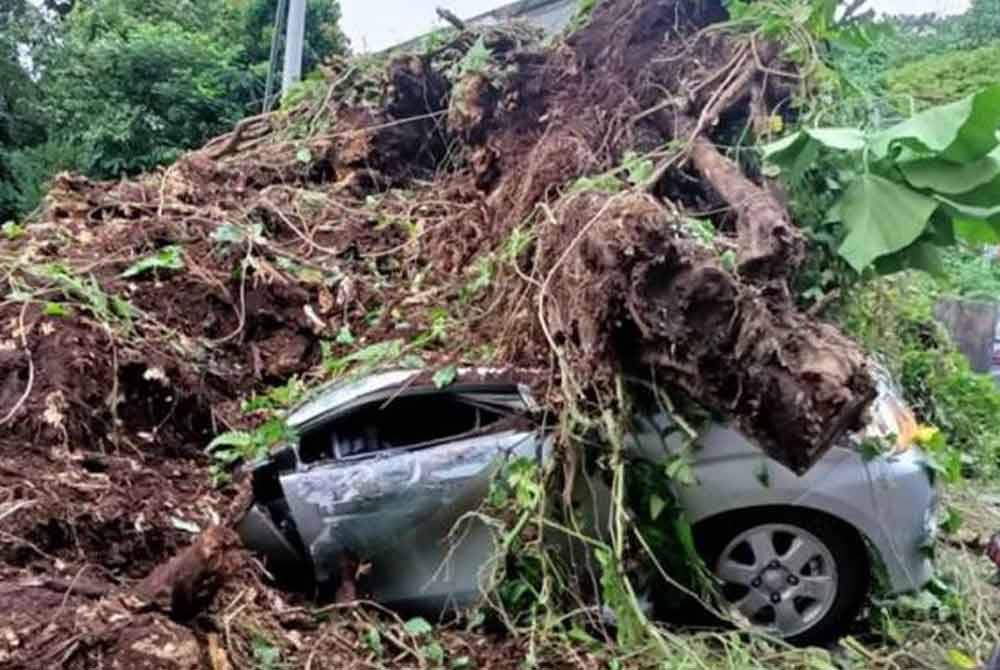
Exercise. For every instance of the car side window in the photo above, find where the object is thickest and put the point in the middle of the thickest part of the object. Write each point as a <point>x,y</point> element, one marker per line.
<point>405,422</point>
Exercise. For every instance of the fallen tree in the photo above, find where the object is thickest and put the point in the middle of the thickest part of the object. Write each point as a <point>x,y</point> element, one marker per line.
<point>489,200</point>
<point>203,272</point>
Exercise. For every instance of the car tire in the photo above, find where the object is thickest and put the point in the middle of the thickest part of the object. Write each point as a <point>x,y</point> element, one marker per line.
<point>835,550</point>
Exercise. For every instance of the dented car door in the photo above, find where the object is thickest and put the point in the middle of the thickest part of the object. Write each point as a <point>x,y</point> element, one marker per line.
<point>398,510</point>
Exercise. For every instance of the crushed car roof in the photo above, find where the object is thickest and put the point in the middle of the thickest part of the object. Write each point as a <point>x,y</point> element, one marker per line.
<point>342,392</point>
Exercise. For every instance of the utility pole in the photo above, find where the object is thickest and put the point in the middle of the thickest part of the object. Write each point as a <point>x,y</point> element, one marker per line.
<point>294,38</point>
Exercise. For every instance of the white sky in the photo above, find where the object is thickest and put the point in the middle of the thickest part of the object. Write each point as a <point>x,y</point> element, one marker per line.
<point>376,24</point>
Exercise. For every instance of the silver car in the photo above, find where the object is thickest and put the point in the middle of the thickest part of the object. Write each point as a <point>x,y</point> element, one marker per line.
<point>386,465</point>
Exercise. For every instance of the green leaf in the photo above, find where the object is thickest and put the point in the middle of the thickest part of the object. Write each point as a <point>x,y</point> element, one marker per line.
<point>344,335</point>
<point>418,626</point>
<point>728,260</point>
<point>981,202</point>
<point>656,506</point>
<point>57,309</point>
<point>374,640</point>
<point>797,152</point>
<point>235,438</point>
<point>11,230</point>
<point>679,470</point>
<point>168,258</point>
<point>843,139</point>
<point>304,155</point>
<point>949,178</point>
<point>959,209</point>
<point>962,132</point>
<point>433,652</point>
<point>951,521</point>
<point>638,170</point>
<point>445,376</point>
<point>960,661</point>
<point>122,307</point>
<point>977,231</point>
<point>882,217</point>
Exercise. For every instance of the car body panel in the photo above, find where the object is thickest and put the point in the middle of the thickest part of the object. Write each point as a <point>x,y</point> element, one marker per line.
<point>406,512</point>
<point>887,498</point>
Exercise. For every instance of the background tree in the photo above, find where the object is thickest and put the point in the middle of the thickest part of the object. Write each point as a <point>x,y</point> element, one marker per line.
<point>121,86</point>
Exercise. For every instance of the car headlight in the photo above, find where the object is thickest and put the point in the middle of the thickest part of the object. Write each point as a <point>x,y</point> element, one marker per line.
<point>890,419</point>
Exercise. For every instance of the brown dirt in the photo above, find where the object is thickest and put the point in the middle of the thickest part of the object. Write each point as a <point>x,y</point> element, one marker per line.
<point>415,201</point>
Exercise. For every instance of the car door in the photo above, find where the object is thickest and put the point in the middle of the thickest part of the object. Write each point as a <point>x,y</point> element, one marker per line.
<point>397,508</point>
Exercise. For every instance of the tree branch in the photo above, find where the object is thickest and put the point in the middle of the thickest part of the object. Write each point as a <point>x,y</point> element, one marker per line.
<point>451,18</point>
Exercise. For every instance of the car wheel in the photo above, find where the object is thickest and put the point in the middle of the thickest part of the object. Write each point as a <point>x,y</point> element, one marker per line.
<point>799,575</point>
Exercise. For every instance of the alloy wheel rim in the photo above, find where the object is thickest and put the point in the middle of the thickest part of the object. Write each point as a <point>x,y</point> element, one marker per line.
<point>780,577</point>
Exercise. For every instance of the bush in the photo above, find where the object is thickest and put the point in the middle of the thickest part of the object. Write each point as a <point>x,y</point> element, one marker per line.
<point>893,317</point>
<point>944,78</point>
<point>25,174</point>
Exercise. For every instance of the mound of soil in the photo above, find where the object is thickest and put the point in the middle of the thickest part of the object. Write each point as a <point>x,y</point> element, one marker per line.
<point>490,201</point>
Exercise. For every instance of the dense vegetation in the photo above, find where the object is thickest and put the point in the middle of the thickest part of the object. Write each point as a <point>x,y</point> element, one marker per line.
<point>112,87</point>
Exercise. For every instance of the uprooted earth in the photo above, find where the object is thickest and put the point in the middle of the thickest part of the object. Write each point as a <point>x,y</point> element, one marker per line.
<point>493,199</point>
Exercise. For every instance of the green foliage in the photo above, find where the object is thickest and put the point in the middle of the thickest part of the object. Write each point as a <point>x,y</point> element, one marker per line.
<point>235,446</point>
<point>266,655</point>
<point>474,61</point>
<point>11,230</point>
<point>581,18</point>
<point>445,376</point>
<point>927,35</point>
<point>912,192</point>
<point>418,627</point>
<point>277,398</point>
<point>170,257</point>
<point>945,78</point>
<point>25,173</point>
<point>893,317</point>
<point>87,292</point>
<point>516,492</point>
<point>136,94</point>
<point>970,274</point>
<point>366,359</point>
<point>122,86</point>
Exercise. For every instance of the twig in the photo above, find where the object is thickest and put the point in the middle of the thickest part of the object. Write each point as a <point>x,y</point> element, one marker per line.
<point>15,507</point>
<point>235,136</point>
<point>850,11</point>
<point>27,391</point>
<point>31,369</point>
<point>823,303</point>
<point>326,101</point>
<point>243,298</point>
<point>451,18</point>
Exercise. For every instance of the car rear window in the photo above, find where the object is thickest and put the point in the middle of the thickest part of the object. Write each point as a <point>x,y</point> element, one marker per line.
<point>404,422</point>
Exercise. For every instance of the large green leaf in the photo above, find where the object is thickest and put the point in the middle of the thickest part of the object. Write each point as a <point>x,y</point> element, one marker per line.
<point>949,178</point>
<point>962,132</point>
<point>921,255</point>
<point>976,231</point>
<point>844,139</point>
<point>962,210</point>
<point>881,217</point>
<point>792,153</point>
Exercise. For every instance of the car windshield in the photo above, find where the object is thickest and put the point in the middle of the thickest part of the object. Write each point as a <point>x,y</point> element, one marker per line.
<point>406,422</point>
